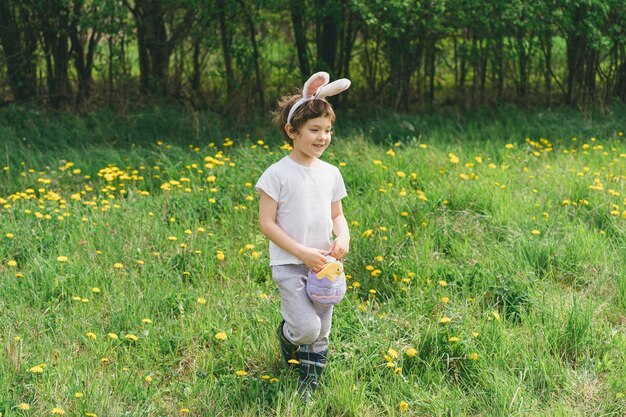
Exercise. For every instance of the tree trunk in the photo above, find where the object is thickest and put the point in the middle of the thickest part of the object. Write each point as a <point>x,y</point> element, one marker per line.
<point>226,53</point>
<point>255,54</point>
<point>83,61</point>
<point>55,25</point>
<point>297,12</point>
<point>19,45</point>
<point>327,37</point>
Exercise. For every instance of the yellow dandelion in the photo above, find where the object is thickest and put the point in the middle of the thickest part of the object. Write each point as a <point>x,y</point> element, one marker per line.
<point>445,300</point>
<point>397,371</point>
<point>172,238</point>
<point>91,415</point>
<point>95,290</point>
<point>38,369</point>
<point>184,411</point>
<point>91,335</point>
<point>220,255</point>
<point>62,258</point>
<point>391,365</point>
<point>475,334</point>
<point>453,158</point>
<point>293,361</point>
<point>392,352</point>
<point>24,407</point>
<point>112,336</point>
<point>10,235</point>
<point>535,232</point>
<point>509,146</point>
<point>12,263</point>
<point>58,411</point>
<point>221,336</point>
<point>445,320</point>
<point>474,356</point>
<point>201,300</point>
<point>241,373</point>
<point>79,395</point>
<point>118,265</point>
<point>403,406</point>
<point>411,352</point>
<point>443,283</point>
<point>131,337</point>
<point>453,339</point>
<point>148,379</point>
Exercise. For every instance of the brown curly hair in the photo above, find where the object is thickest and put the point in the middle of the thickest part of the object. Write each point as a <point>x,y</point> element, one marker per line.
<point>310,109</point>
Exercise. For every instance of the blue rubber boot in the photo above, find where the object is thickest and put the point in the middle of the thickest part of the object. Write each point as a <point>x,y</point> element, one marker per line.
<point>311,367</point>
<point>287,349</point>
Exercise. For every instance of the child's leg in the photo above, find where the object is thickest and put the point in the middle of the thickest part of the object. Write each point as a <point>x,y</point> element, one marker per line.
<point>305,323</point>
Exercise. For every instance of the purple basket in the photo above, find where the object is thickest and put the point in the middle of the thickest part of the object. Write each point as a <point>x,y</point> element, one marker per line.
<point>327,286</point>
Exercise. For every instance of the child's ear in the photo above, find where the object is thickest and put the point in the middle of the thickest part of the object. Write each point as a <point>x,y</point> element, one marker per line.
<point>291,132</point>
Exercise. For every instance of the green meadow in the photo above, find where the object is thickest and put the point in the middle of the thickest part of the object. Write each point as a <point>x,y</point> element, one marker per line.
<point>486,271</point>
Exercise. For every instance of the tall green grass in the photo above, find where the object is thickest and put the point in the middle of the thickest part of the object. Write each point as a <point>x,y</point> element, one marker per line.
<point>486,276</point>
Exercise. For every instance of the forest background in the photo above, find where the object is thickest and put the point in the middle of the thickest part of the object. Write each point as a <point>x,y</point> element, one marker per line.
<point>237,55</point>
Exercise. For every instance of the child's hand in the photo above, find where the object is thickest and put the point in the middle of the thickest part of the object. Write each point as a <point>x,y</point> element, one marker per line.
<point>341,247</point>
<point>313,258</point>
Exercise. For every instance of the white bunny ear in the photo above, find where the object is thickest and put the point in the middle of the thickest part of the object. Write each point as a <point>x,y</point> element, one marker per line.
<point>333,88</point>
<point>315,81</point>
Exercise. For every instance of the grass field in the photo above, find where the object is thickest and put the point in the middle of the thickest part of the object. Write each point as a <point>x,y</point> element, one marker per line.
<point>486,270</point>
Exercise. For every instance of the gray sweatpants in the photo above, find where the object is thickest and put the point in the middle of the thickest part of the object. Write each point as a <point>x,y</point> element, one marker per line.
<point>306,322</point>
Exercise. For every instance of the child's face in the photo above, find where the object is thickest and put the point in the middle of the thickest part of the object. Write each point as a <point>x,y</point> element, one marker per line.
<point>313,137</point>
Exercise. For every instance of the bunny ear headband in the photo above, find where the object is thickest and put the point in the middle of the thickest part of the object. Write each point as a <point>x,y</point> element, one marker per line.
<point>317,87</point>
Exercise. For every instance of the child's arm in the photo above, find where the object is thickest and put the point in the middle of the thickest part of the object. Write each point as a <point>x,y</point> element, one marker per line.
<point>313,258</point>
<point>341,245</point>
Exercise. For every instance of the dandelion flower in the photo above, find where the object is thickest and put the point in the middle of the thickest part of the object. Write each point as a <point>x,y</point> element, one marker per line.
<point>293,361</point>
<point>445,300</point>
<point>146,321</point>
<point>95,290</point>
<point>79,395</point>
<point>496,315</point>
<point>91,335</point>
<point>474,356</point>
<point>10,236</point>
<point>241,373</point>
<point>58,411</point>
<point>131,337</point>
<point>221,336</point>
<point>220,255</point>
<point>392,352</point>
<point>148,379</point>
<point>91,415</point>
<point>453,339</point>
<point>12,263</point>
<point>201,300</point>
<point>62,258</point>
<point>443,283</point>
<point>24,407</point>
<point>411,352</point>
<point>184,411</point>
<point>38,369</point>
<point>535,232</point>
<point>403,406</point>
<point>112,336</point>
<point>453,158</point>
<point>445,320</point>
<point>118,265</point>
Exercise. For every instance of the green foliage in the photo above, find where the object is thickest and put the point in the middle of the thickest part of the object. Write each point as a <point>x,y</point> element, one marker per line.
<point>482,280</point>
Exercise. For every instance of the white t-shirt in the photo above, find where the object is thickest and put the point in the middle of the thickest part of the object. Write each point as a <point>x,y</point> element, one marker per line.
<point>304,196</point>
